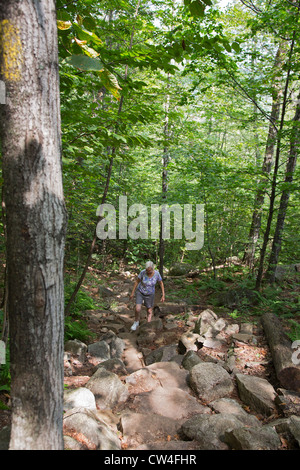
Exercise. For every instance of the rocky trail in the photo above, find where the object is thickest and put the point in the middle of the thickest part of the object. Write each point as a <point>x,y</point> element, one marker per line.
<point>188,380</point>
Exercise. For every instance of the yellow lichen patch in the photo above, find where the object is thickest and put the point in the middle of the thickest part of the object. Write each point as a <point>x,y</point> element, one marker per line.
<point>11,51</point>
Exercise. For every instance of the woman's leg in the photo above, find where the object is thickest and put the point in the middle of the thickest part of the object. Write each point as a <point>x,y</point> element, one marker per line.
<point>149,314</point>
<point>149,305</point>
<point>138,308</point>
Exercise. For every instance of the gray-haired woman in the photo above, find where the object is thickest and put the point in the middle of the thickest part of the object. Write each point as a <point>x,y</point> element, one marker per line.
<point>145,292</point>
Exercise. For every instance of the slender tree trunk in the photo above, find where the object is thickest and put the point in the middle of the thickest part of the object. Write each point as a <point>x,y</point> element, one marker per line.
<point>284,200</point>
<point>111,161</point>
<point>165,162</point>
<point>36,221</point>
<point>93,244</point>
<point>267,163</point>
<point>276,166</point>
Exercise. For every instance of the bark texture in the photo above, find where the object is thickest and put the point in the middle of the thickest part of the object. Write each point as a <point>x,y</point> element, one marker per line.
<point>287,372</point>
<point>285,196</point>
<point>36,220</point>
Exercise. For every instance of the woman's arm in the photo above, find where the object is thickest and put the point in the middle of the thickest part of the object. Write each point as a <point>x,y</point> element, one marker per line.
<point>162,290</point>
<point>134,288</point>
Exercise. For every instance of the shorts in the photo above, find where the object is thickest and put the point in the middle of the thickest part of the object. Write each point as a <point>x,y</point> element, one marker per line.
<point>147,299</point>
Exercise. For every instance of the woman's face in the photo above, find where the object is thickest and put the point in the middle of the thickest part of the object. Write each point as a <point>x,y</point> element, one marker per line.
<point>149,271</point>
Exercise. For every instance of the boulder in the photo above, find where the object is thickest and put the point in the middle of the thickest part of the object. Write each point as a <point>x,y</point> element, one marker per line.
<point>230,406</point>
<point>163,354</point>
<point>167,308</point>
<point>114,365</point>
<point>107,388</point>
<point>210,381</point>
<point>138,428</point>
<point>244,438</point>
<point>256,392</point>
<point>76,347</point>
<point>169,375</point>
<point>100,350</point>
<point>180,269</point>
<point>116,344</point>
<point>206,319</point>
<point>210,430</point>
<point>190,341</point>
<point>169,402</point>
<point>93,433</point>
<point>142,380</point>
<point>79,398</point>
<point>294,428</point>
<point>288,402</point>
<point>190,359</point>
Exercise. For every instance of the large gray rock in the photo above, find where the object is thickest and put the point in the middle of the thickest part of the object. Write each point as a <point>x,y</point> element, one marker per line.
<point>244,438</point>
<point>115,365</point>
<point>210,430</point>
<point>190,341</point>
<point>206,319</point>
<point>294,428</point>
<point>79,398</point>
<point>76,347</point>
<point>94,433</point>
<point>256,392</point>
<point>169,402</point>
<point>163,354</point>
<point>116,344</point>
<point>180,269</point>
<point>210,381</point>
<point>100,350</point>
<point>190,359</point>
<point>169,375</point>
<point>230,406</point>
<point>288,402</point>
<point>138,428</point>
<point>107,388</point>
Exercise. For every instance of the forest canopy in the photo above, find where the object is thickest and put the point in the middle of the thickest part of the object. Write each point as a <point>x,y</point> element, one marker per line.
<point>181,103</point>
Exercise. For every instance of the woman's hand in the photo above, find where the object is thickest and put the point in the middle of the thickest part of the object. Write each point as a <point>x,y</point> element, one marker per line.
<point>162,298</point>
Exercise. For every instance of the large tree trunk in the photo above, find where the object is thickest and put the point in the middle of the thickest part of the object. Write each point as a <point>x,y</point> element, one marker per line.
<point>284,200</point>
<point>36,221</point>
<point>287,372</point>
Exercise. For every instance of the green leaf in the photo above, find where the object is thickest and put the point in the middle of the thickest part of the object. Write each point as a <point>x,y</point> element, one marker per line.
<point>83,34</point>
<point>196,7</point>
<point>63,25</point>
<point>110,82</point>
<point>236,47</point>
<point>89,23</point>
<point>83,62</point>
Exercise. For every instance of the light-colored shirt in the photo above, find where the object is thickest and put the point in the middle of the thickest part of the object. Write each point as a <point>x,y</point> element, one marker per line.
<point>147,284</point>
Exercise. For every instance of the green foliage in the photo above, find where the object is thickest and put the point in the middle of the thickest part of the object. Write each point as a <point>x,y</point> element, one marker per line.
<point>294,333</point>
<point>5,371</point>
<point>77,329</point>
<point>75,326</point>
<point>82,301</point>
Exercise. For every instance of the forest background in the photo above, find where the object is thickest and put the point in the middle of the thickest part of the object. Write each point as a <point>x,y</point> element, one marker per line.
<point>183,103</point>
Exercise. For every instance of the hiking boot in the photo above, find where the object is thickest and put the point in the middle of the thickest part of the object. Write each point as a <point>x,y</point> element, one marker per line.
<point>135,325</point>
